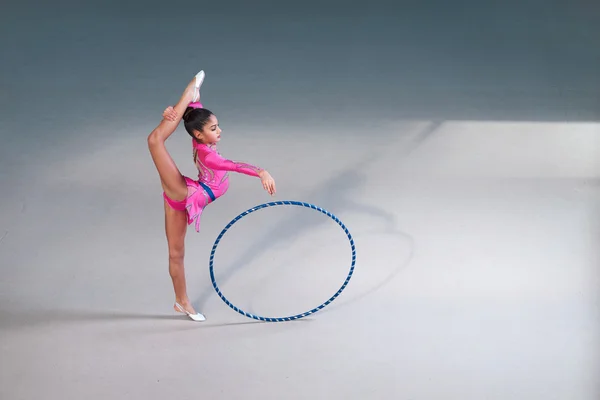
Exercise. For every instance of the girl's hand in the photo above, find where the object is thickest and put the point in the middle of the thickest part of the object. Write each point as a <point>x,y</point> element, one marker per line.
<point>267,181</point>
<point>169,114</point>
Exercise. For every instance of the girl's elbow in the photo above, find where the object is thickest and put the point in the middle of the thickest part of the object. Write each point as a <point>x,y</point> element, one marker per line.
<point>154,138</point>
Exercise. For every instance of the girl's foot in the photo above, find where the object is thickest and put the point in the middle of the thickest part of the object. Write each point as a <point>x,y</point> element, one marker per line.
<point>189,311</point>
<point>191,94</point>
<point>198,80</point>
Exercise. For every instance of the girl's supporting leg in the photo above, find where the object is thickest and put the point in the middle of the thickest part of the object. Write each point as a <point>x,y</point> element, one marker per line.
<point>176,228</point>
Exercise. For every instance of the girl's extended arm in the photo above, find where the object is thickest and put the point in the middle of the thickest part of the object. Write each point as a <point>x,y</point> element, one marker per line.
<point>214,161</point>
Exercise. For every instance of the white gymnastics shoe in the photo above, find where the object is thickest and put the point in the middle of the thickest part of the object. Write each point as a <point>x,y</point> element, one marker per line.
<point>196,317</point>
<point>199,80</point>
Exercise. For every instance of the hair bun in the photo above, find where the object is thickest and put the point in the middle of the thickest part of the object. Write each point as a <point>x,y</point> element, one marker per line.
<point>186,113</point>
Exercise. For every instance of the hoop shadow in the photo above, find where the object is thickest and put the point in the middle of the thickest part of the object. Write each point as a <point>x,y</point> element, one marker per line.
<point>404,262</point>
<point>335,195</point>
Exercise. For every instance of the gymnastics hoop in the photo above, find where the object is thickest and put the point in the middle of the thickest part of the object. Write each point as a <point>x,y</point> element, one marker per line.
<point>271,204</point>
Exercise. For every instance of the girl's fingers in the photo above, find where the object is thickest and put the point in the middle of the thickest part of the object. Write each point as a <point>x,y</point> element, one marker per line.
<point>269,186</point>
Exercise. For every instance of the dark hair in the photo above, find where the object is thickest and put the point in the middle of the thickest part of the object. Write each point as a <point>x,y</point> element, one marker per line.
<point>195,119</point>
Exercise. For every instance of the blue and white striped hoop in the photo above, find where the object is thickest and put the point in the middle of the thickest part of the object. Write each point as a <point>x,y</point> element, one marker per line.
<point>271,204</point>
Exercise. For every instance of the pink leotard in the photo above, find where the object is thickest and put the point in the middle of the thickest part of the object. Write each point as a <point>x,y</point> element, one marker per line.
<point>213,170</point>
<point>213,179</point>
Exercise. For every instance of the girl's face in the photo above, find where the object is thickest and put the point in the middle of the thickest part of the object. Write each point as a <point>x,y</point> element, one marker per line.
<point>211,133</point>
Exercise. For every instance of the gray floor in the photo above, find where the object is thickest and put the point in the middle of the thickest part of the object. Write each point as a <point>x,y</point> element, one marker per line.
<point>461,147</point>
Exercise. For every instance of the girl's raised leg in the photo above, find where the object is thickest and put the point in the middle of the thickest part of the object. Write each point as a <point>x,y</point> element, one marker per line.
<point>171,179</point>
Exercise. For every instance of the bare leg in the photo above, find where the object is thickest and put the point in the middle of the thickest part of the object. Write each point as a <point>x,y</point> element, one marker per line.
<point>171,179</point>
<point>176,228</point>
<point>174,185</point>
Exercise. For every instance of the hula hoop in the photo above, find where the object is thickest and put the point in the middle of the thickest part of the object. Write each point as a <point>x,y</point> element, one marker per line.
<point>271,204</point>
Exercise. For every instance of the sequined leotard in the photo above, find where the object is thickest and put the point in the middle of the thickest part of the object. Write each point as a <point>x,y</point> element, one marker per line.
<point>213,170</point>
<point>212,183</point>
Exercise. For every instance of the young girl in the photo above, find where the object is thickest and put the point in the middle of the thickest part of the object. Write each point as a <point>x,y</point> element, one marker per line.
<point>185,198</point>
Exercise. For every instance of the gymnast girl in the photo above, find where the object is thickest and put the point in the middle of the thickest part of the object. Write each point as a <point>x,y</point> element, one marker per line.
<point>185,198</point>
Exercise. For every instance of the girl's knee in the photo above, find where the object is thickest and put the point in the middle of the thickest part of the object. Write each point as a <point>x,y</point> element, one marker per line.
<point>176,254</point>
<point>176,263</point>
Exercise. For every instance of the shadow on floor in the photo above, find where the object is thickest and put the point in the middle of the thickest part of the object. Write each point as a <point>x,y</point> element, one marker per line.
<point>335,194</point>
